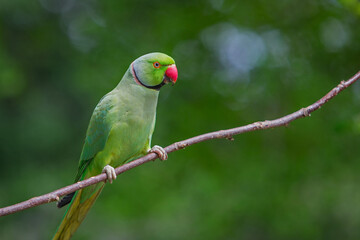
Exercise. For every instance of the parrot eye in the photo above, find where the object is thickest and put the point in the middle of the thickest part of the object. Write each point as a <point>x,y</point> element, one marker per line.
<point>156,64</point>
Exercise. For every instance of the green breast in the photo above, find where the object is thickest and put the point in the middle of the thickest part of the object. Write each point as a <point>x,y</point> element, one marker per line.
<point>131,119</point>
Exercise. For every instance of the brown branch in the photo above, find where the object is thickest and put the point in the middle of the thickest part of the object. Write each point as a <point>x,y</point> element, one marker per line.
<point>229,133</point>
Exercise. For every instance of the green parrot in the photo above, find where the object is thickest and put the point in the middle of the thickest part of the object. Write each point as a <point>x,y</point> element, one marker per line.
<point>119,131</point>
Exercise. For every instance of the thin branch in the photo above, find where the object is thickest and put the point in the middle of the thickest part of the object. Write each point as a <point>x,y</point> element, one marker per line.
<point>229,133</point>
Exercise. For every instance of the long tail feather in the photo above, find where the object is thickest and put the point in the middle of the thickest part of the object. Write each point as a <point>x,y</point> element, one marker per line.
<point>75,214</point>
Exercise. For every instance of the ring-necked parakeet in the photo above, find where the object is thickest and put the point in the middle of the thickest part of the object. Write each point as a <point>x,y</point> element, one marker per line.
<point>119,131</point>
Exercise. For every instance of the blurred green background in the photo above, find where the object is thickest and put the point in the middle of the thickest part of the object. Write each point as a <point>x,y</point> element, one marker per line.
<point>238,62</point>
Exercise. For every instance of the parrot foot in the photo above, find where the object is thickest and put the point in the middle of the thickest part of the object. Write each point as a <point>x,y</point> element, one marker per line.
<point>110,173</point>
<point>160,152</point>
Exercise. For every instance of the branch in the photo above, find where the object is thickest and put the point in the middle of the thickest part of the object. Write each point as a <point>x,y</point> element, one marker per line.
<point>229,133</point>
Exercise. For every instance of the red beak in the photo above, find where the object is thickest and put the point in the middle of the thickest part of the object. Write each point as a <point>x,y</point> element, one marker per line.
<point>172,73</point>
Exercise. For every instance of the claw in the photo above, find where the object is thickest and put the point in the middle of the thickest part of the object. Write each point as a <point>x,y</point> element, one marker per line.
<point>110,173</point>
<point>160,152</point>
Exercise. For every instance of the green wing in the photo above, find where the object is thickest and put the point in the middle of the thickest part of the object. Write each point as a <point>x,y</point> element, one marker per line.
<point>96,135</point>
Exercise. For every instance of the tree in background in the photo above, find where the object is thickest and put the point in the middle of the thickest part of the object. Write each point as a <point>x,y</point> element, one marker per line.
<point>239,62</point>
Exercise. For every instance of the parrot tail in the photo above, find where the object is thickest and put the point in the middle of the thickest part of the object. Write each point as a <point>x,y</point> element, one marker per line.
<point>75,214</point>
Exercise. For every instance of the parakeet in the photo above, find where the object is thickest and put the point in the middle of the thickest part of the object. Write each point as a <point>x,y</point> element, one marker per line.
<point>119,131</point>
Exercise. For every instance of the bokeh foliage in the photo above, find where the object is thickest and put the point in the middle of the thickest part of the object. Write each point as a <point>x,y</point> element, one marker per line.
<point>239,62</point>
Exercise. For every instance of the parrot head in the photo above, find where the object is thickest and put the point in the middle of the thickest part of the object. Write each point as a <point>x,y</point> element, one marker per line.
<point>154,70</point>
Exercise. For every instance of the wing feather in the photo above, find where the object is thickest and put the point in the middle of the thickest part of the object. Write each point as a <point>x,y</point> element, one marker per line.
<point>96,134</point>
